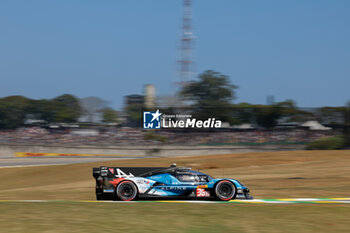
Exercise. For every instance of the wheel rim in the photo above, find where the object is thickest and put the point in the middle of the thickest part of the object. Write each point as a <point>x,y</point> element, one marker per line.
<point>225,191</point>
<point>126,191</point>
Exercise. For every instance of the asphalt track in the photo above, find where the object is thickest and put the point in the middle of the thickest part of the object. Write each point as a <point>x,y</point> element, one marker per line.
<point>255,201</point>
<point>45,161</point>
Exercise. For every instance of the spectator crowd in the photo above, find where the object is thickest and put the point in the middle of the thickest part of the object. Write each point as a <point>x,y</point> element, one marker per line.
<point>134,137</point>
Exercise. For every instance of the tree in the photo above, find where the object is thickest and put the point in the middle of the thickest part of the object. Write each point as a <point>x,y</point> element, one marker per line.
<point>43,109</point>
<point>347,125</point>
<point>267,115</point>
<point>109,115</point>
<point>13,111</point>
<point>331,115</point>
<point>211,95</point>
<point>291,113</point>
<point>64,108</point>
<point>135,114</point>
<point>67,108</point>
<point>91,107</point>
<point>243,113</point>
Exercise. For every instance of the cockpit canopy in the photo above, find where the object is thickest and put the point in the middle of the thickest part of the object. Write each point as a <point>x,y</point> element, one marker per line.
<point>192,176</point>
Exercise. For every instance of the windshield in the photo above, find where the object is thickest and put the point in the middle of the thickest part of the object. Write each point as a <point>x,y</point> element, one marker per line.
<point>193,176</point>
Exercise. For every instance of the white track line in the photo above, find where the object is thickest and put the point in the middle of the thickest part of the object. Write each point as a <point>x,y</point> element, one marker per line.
<point>256,201</point>
<point>33,165</point>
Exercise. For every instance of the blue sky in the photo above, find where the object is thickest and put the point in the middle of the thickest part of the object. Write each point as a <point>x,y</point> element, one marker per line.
<point>296,49</point>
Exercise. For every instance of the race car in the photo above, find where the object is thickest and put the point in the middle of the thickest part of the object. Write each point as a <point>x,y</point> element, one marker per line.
<point>130,183</point>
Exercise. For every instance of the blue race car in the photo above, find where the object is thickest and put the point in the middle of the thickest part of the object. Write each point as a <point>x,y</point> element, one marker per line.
<point>129,183</point>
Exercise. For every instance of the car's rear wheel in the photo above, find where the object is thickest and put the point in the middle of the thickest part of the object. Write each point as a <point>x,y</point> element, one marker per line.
<point>126,191</point>
<point>225,190</point>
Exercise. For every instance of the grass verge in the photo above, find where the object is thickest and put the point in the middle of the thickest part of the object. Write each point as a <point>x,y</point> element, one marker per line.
<point>171,217</point>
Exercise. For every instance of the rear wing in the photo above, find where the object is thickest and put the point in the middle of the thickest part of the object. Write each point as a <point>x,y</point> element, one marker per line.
<point>125,172</point>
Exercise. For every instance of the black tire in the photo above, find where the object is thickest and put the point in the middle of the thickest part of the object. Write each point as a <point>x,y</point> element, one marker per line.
<point>99,197</point>
<point>126,191</point>
<point>225,190</point>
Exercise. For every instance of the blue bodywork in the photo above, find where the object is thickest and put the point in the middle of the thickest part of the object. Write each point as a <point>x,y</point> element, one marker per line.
<point>169,185</point>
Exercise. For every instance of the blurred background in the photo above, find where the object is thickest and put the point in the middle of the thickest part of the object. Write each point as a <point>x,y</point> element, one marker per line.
<point>82,73</point>
<point>67,120</point>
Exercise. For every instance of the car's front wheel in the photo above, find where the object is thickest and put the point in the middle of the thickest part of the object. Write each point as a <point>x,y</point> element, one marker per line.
<point>126,191</point>
<point>225,190</point>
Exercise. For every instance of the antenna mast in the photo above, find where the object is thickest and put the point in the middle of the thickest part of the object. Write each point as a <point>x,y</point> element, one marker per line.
<point>187,40</point>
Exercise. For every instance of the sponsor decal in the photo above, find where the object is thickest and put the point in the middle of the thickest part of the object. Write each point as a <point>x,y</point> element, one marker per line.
<point>111,170</point>
<point>108,190</point>
<point>139,181</point>
<point>173,188</point>
<point>157,120</point>
<point>202,186</point>
<point>120,173</point>
<point>202,193</point>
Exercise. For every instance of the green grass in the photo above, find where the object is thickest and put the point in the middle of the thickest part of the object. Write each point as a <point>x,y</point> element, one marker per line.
<point>251,143</point>
<point>327,143</point>
<point>172,217</point>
